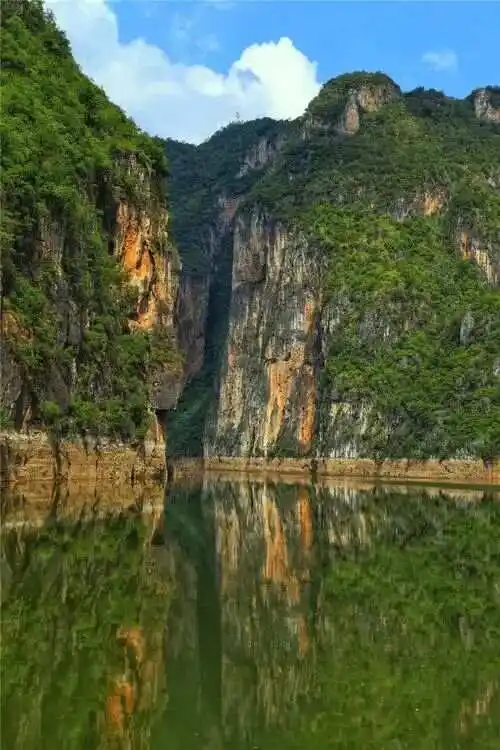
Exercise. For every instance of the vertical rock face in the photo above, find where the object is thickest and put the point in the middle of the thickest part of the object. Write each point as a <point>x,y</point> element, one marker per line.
<point>87,272</point>
<point>279,328</point>
<point>261,154</point>
<point>270,399</point>
<point>295,370</point>
<point>483,106</point>
<point>482,253</point>
<point>140,242</point>
<point>137,236</point>
<point>268,380</point>
<point>192,306</point>
<point>364,98</point>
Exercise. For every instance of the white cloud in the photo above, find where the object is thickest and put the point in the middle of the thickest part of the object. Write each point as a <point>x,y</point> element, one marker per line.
<point>182,101</point>
<point>445,59</point>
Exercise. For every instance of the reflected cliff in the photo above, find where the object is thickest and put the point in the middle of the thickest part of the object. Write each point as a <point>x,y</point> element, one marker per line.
<point>253,614</point>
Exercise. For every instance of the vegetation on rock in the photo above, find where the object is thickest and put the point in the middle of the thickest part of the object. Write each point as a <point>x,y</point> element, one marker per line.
<point>397,212</point>
<point>201,176</point>
<point>69,157</point>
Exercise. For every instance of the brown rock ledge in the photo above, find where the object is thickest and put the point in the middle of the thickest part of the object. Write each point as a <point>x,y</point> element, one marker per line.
<point>35,457</point>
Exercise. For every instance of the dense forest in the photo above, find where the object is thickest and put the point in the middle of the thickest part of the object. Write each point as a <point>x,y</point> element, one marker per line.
<point>69,157</point>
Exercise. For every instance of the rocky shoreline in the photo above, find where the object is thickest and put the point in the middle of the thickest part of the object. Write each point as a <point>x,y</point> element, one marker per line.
<point>450,471</point>
<point>35,457</point>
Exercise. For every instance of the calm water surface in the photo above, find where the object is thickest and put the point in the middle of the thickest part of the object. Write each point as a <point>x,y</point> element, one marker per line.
<point>254,615</point>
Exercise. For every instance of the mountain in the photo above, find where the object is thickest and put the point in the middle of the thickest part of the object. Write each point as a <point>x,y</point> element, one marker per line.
<point>89,278</point>
<point>323,287</point>
<point>339,293</point>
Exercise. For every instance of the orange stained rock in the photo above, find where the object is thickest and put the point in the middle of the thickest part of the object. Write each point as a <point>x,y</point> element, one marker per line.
<point>281,377</point>
<point>149,317</point>
<point>115,718</point>
<point>134,639</point>
<point>309,310</point>
<point>470,250</point>
<point>305,517</point>
<point>127,692</point>
<point>307,414</point>
<point>121,702</point>
<point>135,255</point>
<point>276,565</point>
<point>150,274</point>
<point>432,204</point>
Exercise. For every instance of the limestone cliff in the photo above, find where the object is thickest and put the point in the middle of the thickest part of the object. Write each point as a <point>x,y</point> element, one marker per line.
<point>269,373</point>
<point>89,276</point>
<point>377,217</point>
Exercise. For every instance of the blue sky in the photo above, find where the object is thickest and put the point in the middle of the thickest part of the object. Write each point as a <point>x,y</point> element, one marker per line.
<point>341,36</point>
<point>185,68</point>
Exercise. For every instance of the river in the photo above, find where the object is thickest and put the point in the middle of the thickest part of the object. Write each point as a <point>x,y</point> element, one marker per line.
<point>253,614</point>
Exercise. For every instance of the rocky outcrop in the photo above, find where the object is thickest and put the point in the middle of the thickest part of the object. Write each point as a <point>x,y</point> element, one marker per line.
<point>35,457</point>
<point>483,106</point>
<point>137,236</point>
<point>359,100</point>
<point>268,376</point>
<point>140,242</point>
<point>343,101</point>
<point>471,247</point>
<point>261,154</point>
<point>270,400</point>
<point>270,395</point>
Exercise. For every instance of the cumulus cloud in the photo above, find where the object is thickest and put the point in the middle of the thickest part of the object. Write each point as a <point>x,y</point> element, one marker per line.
<point>172,99</point>
<point>441,60</point>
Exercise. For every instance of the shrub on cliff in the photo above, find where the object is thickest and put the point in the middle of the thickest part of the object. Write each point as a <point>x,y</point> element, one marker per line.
<point>66,162</point>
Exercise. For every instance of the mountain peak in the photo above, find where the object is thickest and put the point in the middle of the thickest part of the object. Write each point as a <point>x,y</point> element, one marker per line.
<point>342,99</point>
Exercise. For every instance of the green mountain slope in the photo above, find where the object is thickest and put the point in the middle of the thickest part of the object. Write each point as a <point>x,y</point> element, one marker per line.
<point>398,196</point>
<point>69,160</point>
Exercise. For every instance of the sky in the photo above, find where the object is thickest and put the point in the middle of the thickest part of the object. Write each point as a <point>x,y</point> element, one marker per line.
<point>185,69</point>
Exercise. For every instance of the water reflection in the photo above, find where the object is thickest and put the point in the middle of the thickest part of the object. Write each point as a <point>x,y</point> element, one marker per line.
<point>252,614</point>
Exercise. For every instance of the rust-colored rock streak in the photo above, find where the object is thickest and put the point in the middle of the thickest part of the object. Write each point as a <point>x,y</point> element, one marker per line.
<point>304,513</point>
<point>472,249</point>
<point>140,245</point>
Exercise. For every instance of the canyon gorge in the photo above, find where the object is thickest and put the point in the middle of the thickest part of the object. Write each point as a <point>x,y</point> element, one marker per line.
<point>325,288</point>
